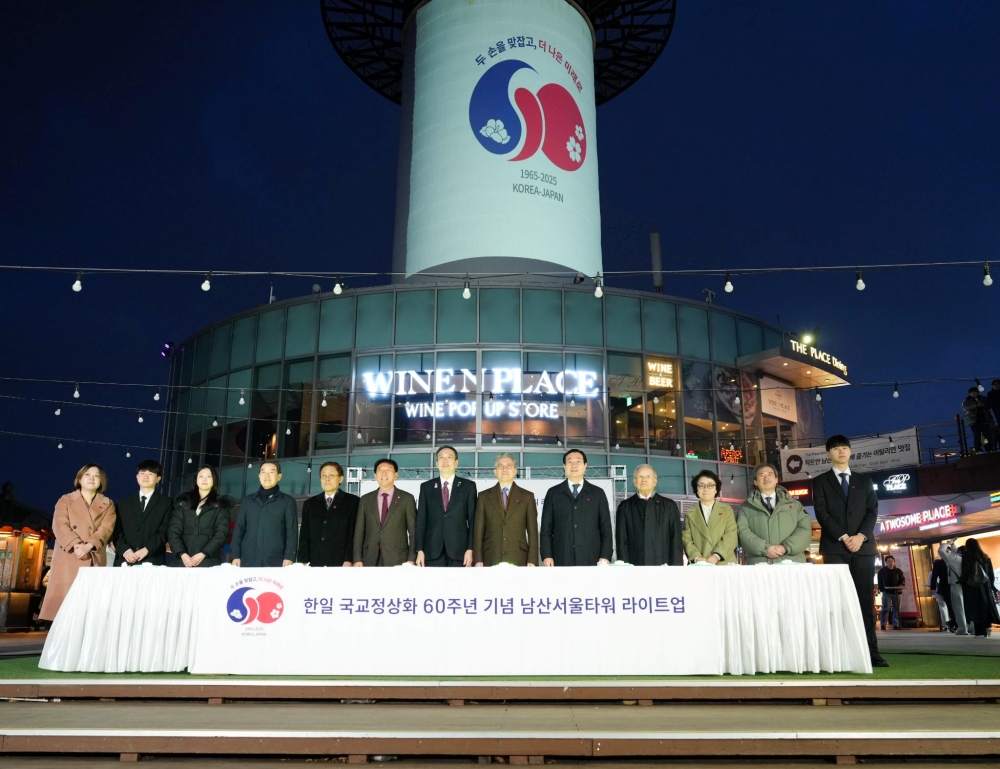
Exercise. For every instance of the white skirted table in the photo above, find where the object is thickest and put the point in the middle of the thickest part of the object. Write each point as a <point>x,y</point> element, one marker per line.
<point>504,621</point>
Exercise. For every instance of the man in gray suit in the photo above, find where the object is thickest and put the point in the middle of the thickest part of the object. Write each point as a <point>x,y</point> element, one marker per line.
<point>384,534</point>
<point>506,523</point>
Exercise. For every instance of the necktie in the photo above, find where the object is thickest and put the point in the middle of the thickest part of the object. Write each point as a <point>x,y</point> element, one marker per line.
<point>385,508</point>
<point>444,494</point>
<point>142,501</point>
<point>505,493</point>
<point>576,490</point>
<point>329,501</point>
<point>768,504</point>
<point>843,483</point>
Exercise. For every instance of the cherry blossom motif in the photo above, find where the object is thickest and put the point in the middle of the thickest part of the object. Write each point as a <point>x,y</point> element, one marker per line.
<point>275,614</point>
<point>579,132</point>
<point>494,130</point>
<point>574,149</point>
<point>237,613</point>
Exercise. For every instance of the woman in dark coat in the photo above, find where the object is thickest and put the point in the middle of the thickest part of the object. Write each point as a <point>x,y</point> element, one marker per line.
<point>200,524</point>
<point>977,588</point>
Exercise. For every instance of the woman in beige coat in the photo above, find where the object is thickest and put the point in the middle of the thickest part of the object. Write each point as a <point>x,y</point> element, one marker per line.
<point>709,532</point>
<point>83,523</point>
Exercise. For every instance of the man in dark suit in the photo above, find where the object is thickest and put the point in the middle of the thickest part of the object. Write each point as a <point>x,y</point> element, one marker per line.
<point>846,510</point>
<point>385,532</point>
<point>506,527</point>
<point>446,513</point>
<point>576,519</point>
<point>140,533</point>
<point>326,536</point>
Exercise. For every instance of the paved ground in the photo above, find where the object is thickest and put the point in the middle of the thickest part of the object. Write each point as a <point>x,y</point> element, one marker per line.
<point>21,644</point>
<point>922,640</point>
<point>60,762</point>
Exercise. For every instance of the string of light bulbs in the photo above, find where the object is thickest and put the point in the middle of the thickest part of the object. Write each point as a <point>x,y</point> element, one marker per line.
<point>339,285</point>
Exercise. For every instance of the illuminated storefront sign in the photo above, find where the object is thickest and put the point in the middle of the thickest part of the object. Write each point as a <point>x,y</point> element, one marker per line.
<point>659,374</point>
<point>732,456</point>
<point>822,357</point>
<point>925,520</point>
<point>579,384</point>
<point>573,384</point>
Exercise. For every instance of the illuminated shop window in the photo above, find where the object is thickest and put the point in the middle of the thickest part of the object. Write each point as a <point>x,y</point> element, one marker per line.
<point>699,410</point>
<point>626,402</point>
<point>542,383</point>
<point>456,389</point>
<point>728,409</point>
<point>371,416</point>
<point>583,399</point>
<point>237,432</point>
<point>264,413</point>
<point>413,384</point>
<point>661,375</point>
<point>501,397</point>
<point>295,429</point>
<point>331,399</point>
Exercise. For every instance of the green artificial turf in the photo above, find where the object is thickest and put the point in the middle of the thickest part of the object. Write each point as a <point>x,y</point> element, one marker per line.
<point>902,666</point>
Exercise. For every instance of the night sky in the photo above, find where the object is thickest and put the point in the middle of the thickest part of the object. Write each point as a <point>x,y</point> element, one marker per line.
<point>229,135</point>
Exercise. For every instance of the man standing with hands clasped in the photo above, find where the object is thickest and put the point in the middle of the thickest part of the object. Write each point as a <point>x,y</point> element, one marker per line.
<point>446,514</point>
<point>846,509</point>
<point>140,534</point>
<point>576,519</point>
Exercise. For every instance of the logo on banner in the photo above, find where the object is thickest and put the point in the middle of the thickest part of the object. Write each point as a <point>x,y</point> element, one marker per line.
<point>245,607</point>
<point>549,119</point>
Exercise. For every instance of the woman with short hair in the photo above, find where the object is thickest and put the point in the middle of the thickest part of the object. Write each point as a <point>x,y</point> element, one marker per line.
<point>83,522</point>
<point>709,533</point>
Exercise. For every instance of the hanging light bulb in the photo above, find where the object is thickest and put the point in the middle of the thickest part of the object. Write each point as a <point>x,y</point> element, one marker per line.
<point>337,288</point>
<point>895,390</point>
<point>58,409</point>
<point>76,391</point>
<point>890,440</point>
<point>323,402</point>
<point>206,284</point>
<point>617,446</point>
<point>494,438</point>
<point>359,435</point>
<point>732,446</point>
<point>59,445</point>
<point>987,280</point>
<point>215,422</point>
<point>572,400</point>
<point>678,446</point>
<point>732,479</point>
<point>656,399</point>
<point>128,453</point>
<point>78,283</point>
<point>491,395</point>
<point>819,396</point>
<point>288,431</point>
<point>598,291</point>
<point>140,417</point>
<point>729,284</point>
<point>243,400</point>
<point>309,468</point>
<point>941,438</point>
<point>979,385</point>
<point>558,441</point>
<point>736,401</point>
<point>190,460</point>
<point>860,285</point>
<point>427,436</point>
<point>249,465</point>
<point>466,292</point>
<point>156,397</point>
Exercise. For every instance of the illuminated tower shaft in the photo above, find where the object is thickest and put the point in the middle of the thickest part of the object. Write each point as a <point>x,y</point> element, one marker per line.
<point>498,158</point>
<point>498,151</point>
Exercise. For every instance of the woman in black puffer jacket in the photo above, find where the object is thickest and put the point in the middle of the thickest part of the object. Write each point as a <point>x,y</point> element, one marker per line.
<point>200,524</point>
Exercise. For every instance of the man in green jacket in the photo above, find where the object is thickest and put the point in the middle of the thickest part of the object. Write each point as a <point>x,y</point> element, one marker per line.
<point>772,525</point>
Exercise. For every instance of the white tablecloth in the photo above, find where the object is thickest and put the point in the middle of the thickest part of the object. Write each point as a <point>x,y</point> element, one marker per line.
<point>738,620</point>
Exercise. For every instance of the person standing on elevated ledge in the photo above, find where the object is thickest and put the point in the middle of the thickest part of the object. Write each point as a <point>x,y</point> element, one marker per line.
<point>847,509</point>
<point>576,519</point>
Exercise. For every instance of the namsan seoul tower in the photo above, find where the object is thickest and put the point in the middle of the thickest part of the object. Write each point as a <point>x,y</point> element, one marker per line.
<point>498,141</point>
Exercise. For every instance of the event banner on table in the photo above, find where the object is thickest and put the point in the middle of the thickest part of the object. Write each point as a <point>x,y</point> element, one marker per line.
<point>499,621</point>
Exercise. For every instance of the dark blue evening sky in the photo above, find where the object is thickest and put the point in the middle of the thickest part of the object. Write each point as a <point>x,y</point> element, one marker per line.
<point>229,135</point>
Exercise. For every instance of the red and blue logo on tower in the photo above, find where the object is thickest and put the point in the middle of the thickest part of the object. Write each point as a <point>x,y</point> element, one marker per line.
<point>264,608</point>
<point>549,119</point>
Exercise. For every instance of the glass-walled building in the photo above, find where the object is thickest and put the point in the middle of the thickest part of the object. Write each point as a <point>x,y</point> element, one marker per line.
<point>396,371</point>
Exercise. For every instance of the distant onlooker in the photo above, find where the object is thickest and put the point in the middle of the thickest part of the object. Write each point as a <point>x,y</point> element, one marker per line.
<point>977,414</point>
<point>977,588</point>
<point>993,400</point>
<point>890,583</point>
<point>942,595</point>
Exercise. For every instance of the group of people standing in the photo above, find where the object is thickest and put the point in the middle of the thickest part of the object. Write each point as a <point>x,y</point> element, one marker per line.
<point>983,415</point>
<point>451,524</point>
<point>963,587</point>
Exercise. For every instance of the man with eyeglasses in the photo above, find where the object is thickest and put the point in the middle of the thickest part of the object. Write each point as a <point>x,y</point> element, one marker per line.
<point>506,522</point>
<point>648,525</point>
<point>772,525</point>
<point>326,537</point>
<point>576,519</point>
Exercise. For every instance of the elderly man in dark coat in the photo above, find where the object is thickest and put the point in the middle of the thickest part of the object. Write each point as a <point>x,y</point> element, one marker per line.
<point>266,530</point>
<point>648,525</point>
<point>576,519</point>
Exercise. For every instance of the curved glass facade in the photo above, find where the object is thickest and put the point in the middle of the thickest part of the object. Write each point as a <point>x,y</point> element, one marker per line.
<point>526,369</point>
